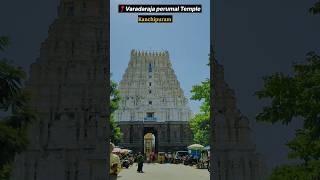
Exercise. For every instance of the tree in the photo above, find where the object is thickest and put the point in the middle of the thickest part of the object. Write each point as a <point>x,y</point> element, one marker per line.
<point>200,123</point>
<point>297,172</point>
<point>13,101</point>
<point>296,97</point>
<point>4,43</point>
<point>315,9</point>
<point>12,142</point>
<point>114,104</point>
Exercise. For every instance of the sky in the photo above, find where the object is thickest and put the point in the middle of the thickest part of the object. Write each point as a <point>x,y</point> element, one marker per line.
<point>187,39</point>
<point>253,39</point>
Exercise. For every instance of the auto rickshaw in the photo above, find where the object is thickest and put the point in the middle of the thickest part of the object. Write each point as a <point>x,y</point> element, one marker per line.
<point>161,157</point>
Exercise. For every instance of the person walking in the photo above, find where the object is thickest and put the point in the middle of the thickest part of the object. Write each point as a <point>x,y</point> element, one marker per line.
<point>151,157</point>
<point>140,160</point>
<point>115,165</point>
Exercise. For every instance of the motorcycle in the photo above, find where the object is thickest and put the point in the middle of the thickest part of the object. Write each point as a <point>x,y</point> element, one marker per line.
<point>190,161</point>
<point>209,168</point>
<point>125,163</point>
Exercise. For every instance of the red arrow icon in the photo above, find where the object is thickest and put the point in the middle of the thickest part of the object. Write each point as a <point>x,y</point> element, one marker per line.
<point>122,8</point>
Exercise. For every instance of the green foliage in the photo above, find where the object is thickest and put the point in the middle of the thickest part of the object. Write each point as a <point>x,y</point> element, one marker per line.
<point>12,141</point>
<point>114,104</point>
<point>13,101</point>
<point>20,119</point>
<point>310,171</point>
<point>202,93</point>
<point>114,97</point>
<point>4,42</point>
<point>5,171</point>
<point>305,146</point>
<point>296,97</point>
<point>200,123</point>
<point>315,9</point>
<point>11,78</point>
<point>115,131</point>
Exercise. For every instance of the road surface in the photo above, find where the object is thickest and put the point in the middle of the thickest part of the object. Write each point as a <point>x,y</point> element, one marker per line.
<point>164,172</point>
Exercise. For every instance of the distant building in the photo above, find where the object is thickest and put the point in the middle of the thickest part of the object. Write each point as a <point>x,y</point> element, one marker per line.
<point>152,101</point>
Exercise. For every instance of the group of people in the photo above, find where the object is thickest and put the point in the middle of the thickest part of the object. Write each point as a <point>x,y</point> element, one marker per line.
<point>152,157</point>
<point>163,158</point>
<point>115,163</point>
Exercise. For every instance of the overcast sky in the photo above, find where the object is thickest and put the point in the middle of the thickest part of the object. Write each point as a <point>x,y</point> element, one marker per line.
<point>254,39</point>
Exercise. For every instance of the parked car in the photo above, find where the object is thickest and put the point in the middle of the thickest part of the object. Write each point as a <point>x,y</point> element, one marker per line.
<point>169,157</point>
<point>179,156</point>
<point>125,163</point>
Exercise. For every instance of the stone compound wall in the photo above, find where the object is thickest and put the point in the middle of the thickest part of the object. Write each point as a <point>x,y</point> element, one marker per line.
<point>170,136</point>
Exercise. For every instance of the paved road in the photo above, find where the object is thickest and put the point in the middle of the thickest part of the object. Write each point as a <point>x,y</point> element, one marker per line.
<point>164,172</point>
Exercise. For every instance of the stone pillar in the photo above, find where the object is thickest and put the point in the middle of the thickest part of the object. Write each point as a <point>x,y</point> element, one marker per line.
<point>131,133</point>
<point>168,133</point>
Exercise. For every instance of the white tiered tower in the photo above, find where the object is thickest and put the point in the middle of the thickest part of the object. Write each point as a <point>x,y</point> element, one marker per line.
<point>151,97</point>
<point>150,90</point>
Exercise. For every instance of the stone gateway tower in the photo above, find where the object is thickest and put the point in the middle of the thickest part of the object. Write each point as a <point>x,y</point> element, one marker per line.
<point>153,102</point>
<point>234,153</point>
<point>68,87</point>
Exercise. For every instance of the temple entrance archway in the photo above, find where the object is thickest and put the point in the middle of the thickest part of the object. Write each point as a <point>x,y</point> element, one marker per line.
<point>149,144</point>
<point>150,140</point>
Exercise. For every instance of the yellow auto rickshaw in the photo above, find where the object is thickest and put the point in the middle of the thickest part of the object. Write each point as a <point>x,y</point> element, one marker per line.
<point>161,157</point>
